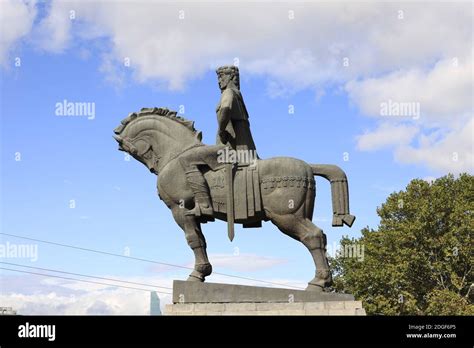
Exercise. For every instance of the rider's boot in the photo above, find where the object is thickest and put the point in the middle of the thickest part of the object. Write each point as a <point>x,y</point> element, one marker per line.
<point>202,201</point>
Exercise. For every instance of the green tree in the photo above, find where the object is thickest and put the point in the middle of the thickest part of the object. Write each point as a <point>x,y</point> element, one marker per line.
<point>419,261</point>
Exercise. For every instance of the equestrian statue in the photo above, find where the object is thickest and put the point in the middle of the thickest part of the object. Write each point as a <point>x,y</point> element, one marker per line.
<point>229,181</point>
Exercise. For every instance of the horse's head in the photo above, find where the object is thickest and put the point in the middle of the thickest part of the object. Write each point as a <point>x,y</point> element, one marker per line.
<point>153,135</point>
<point>139,148</point>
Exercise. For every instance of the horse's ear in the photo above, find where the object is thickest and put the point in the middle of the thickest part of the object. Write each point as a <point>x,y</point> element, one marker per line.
<point>199,136</point>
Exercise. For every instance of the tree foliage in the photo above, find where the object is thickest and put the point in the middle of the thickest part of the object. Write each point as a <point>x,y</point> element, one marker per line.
<point>419,260</point>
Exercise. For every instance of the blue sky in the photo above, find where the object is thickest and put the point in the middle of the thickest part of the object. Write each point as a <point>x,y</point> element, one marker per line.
<point>116,206</point>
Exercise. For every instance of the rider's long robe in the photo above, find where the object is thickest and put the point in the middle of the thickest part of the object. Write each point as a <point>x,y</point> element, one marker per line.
<point>238,126</point>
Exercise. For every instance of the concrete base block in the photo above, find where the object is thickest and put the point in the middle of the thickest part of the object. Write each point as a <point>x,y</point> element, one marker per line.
<point>197,292</point>
<point>309,308</point>
<point>194,298</point>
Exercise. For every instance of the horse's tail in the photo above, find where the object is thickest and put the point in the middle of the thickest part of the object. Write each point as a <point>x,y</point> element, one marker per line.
<point>339,192</point>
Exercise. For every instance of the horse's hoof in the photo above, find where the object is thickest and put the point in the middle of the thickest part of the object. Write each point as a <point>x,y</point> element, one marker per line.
<point>340,220</point>
<point>337,221</point>
<point>349,219</point>
<point>192,278</point>
<point>322,280</point>
<point>195,276</point>
<point>314,288</point>
<point>202,270</point>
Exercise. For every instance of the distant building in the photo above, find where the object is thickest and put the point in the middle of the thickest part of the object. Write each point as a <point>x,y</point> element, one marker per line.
<point>7,311</point>
<point>154,304</point>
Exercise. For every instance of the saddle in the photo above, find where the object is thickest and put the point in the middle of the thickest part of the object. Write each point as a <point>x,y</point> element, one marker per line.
<point>246,190</point>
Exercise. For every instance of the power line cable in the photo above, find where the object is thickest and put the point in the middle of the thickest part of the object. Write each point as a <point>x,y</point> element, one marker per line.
<point>81,280</point>
<point>145,260</point>
<point>85,275</point>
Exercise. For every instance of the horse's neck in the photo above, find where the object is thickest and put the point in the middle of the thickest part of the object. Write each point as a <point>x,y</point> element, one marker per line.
<point>171,150</point>
<point>169,139</point>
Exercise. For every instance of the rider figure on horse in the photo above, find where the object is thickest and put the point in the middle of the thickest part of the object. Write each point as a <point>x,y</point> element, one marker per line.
<point>233,132</point>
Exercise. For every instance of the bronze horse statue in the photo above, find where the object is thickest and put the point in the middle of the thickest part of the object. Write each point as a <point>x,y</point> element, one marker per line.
<point>279,189</point>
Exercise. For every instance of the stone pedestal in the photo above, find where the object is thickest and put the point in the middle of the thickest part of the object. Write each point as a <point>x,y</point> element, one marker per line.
<point>195,298</point>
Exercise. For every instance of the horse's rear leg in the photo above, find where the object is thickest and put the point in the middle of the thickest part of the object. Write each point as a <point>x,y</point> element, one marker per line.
<point>314,239</point>
<point>197,242</point>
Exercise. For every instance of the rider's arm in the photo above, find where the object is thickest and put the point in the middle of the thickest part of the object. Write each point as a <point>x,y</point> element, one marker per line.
<point>225,110</point>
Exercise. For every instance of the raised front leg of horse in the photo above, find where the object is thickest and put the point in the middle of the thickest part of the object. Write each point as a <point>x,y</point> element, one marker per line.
<point>196,241</point>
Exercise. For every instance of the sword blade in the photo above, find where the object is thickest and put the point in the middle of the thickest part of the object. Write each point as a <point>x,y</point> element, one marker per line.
<point>230,201</point>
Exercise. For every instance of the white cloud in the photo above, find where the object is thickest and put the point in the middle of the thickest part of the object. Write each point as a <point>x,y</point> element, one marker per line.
<point>452,152</point>
<point>378,51</point>
<point>93,302</point>
<point>16,20</point>
<point>386,135</point>
<point>175,43</point>
<point>443,92</point>
<point>53,32</point>
<point>244,262</point>
<point>56,296</point>
<point>444,95</point>
<point>33,295</point>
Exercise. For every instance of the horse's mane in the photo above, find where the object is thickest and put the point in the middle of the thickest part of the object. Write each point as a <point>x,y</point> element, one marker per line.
<point>158,112</point>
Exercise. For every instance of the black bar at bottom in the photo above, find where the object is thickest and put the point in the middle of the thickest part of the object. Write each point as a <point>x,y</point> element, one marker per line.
<point>136,330</point>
